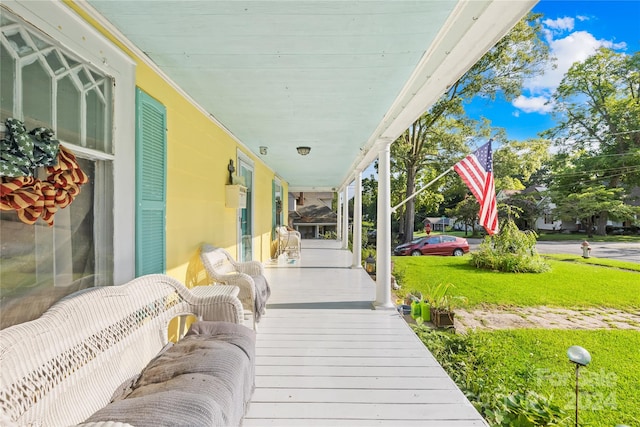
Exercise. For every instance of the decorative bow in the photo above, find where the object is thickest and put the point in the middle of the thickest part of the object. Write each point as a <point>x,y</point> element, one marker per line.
<point>30,197</point>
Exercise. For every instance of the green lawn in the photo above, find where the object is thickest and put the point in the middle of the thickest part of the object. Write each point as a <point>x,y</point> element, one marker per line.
<point>595,261</point>
<point>488,366</point>
<point>581,236</point>
<point>536,360</point>
<point>568,284</point>
<point>524,360</point>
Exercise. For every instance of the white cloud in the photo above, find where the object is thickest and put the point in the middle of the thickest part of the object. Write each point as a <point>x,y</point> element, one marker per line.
<point>576,46</point>
<point>532,104</point>
<point>562,24</point>
<point>582,18</point>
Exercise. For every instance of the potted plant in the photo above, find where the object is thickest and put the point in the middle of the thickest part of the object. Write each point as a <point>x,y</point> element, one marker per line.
<point>433,296</point>
<point>442,305</point>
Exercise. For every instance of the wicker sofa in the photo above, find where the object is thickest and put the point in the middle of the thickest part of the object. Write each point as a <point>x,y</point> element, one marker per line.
<point>101,357</point>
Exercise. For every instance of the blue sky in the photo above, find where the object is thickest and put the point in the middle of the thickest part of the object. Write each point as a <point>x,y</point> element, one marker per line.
<point>573,30</point>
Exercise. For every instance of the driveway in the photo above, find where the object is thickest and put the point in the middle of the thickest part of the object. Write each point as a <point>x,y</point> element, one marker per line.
<point>612,250</point>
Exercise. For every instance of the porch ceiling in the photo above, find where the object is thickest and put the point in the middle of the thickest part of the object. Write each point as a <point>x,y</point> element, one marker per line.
<point>337,76</point>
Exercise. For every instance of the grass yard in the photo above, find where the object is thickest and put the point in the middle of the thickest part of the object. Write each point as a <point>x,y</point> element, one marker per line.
<point>568,284</point>
<point>521,361</point>
<point>595,261</point>
<point>559,237</point>
<point>495,366</point>
<point>610,383</point>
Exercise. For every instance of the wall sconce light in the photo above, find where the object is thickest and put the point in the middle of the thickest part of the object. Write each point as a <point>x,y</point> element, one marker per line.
<point>263,150</point>
<point>303,151</point>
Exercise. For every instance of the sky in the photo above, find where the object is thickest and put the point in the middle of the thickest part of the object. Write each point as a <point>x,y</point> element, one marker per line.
<point>574,30</point>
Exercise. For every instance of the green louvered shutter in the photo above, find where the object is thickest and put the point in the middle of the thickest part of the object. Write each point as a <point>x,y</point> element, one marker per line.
<point>151,171</point>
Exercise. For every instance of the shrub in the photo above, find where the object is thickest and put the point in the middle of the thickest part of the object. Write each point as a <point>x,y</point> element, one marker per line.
<point>330,235</point>
<point>511,250</point>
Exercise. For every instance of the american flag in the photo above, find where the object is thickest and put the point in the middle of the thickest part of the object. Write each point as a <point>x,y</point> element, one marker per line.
<point>476,170</point>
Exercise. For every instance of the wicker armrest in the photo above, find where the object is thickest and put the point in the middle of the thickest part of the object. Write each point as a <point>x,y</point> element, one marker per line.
<point>252,268</point>
<point>217,306</point>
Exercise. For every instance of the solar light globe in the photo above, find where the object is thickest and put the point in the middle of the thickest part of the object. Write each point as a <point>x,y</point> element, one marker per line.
<point>579,355</point>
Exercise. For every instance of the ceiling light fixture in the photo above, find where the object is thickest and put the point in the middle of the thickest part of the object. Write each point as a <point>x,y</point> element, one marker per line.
<point>303,151</point>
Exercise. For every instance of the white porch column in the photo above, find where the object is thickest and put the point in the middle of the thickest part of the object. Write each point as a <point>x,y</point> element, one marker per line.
<point>338,217</point>
<point>345,217</point>
<point>357,221</point>
<point>383,245</point>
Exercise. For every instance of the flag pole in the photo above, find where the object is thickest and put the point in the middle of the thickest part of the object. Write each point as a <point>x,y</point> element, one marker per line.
<point>395,208</point>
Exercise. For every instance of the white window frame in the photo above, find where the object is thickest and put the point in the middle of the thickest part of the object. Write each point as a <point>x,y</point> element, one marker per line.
<point>73,34</point>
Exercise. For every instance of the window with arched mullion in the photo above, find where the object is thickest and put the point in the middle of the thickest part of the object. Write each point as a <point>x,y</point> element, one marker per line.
<point>44,84</point>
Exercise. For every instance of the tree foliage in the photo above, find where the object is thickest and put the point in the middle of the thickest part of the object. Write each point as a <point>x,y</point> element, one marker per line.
<point>466,213</point>
<point>592,201</point>
<point>597,108</point>
<point>369,199</point>
<point>524,209</point>
<point>515,162</point>
<point>438,138</point>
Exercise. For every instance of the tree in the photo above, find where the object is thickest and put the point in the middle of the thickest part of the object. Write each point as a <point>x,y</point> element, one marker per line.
<point>590,202</point>
<point>597,107</point>
<point>466,213</point>
<point>527,207</point>
<point>439,135</point>
<point>515,162</point>
<point>369,199</point>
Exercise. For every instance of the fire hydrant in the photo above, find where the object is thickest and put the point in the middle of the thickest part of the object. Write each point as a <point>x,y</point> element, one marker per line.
<point>427,229</point>
<point>586,249</point>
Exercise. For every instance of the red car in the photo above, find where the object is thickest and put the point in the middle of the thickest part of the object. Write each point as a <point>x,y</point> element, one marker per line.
<point>434,245</point>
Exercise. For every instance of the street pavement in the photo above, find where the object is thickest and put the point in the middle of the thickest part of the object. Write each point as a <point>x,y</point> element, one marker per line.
<point>624,251</point>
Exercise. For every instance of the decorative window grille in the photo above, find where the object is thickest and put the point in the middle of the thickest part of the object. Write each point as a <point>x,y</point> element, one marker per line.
<point>45,84</point>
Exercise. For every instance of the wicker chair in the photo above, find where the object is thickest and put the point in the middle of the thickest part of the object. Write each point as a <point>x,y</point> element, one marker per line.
<point>248,276</point>
<point>288,242</point>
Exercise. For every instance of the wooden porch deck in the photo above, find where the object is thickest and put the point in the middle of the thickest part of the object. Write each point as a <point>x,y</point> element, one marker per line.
<point>326,358</point>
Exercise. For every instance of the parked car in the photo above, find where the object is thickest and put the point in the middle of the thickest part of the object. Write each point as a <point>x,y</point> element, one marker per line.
<point>434,245</point>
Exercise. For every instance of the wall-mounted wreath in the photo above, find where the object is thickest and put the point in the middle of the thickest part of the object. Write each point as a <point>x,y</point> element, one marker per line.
<point>21,154</point>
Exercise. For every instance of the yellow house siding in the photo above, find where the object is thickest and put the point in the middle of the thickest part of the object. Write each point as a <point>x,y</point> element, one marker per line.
<point>262,223</point>
<point>198,152</point>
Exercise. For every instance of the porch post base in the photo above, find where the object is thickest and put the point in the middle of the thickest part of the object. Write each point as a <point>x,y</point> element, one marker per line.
<point>383,305</point>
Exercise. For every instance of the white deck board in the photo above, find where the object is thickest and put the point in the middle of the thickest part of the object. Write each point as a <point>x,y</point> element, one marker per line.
<point>339,361</point>
<point>401,396</point>
<point>325,357</point>
<point>341,352</point>
<point>329,344</point>
<point>375,411</point>
<point>360,383</point>
<point>323,422</point>
<point>352,371</point>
